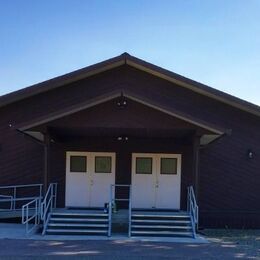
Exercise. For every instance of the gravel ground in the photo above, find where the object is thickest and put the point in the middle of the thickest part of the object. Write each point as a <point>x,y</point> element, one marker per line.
<point>225,244</point>
<point>247,240</point>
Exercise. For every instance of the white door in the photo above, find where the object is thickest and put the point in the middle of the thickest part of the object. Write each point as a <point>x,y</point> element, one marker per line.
<point>168,186</point>
<point>88,178</point>
<point>156,180</point>
<point>103,175</point>
<point>143,180</point>
<point>77,192</point>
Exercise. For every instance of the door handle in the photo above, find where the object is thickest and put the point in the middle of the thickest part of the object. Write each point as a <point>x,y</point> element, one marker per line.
<point>157,185</point>
<point>91,182</point>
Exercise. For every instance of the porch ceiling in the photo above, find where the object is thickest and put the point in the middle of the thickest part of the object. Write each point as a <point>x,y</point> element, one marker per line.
<point>69,132</point>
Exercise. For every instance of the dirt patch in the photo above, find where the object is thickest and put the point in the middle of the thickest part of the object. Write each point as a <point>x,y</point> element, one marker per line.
<point>246,239</point>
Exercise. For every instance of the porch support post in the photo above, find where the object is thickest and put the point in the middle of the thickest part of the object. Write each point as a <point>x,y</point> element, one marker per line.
<point>47,141</point>
<point>196,146</point>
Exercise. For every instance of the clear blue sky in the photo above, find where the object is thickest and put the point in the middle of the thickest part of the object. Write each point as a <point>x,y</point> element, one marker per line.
<point>214,42</point>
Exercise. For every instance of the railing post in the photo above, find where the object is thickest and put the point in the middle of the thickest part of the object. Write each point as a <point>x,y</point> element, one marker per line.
<point>109,218</point>
<point>27,216</point>
<point>51,198</point>
<point>130,211</point>
<point>188,199</point>
<point>40,191</point>
<point>110,211</point>
<point>14,204</point>
<point>55,198</point>
<point>39,211</point>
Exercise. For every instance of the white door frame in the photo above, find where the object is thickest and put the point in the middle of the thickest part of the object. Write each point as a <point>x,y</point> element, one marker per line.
<point>77,185</point>
<point>101,182</point>
<point>166,193</point>
<point>88,189</point>
<point>143,192</point>
<point>148,190</point>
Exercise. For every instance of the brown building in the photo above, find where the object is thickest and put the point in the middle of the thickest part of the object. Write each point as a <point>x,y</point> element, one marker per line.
<point>126,121</point>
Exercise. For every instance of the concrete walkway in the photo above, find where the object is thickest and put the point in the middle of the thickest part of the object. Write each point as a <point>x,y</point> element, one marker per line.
<point>118,249</point>
<point>17,231</point>
<point>14,244</point>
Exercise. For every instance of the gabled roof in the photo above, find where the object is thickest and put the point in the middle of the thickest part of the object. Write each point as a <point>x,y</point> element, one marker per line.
<point>120,60</point>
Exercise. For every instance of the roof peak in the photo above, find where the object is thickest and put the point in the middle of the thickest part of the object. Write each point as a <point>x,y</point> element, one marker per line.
<point>125,54</point>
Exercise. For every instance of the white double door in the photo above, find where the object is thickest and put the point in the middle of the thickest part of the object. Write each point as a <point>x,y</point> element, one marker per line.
<point>156,180</point>
<point>89,176</point>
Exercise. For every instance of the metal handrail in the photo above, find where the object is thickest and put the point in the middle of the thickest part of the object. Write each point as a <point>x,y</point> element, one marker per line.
<point>109,218</point>
<point>48,204</point>
<point>12,198</point>
<point>193,209</point>
<point>27,218</point>
<point>130,212</point>
<point>112,202</point>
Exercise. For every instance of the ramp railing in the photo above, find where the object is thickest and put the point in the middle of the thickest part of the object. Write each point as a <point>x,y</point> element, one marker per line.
<point>31,215</point>
<point>14,194</point>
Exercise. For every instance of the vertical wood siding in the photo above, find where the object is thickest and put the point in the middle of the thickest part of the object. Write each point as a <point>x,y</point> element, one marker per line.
<point>229,182</point>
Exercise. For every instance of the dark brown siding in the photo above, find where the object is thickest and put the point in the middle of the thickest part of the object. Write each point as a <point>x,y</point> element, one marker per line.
<point>229,191</point>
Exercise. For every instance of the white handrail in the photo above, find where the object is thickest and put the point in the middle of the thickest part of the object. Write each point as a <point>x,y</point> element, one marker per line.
<point>7,198</point>
<point>48,204</point>
<point>12,198</point>
<point>193,209</point>
<point>109,218</point>
<point>130,212</point>
<point>27,218</point>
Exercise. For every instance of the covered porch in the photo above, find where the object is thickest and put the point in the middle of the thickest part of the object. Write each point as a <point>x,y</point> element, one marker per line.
<point>121,139</point>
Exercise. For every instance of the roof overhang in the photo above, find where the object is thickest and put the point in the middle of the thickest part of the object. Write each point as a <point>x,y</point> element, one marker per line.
<point>215,131</point>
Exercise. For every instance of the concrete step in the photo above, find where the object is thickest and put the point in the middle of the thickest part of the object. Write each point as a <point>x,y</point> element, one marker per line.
<point>78,223</point>
<point>75,231</point>
<point>77,214</point>
<point>66,225</point>
<point>161,227</point>
<point>161,233</point>
<point>157,216</point>
<point>76,220</point>
<point>159,212</point>
<point>162,221</point>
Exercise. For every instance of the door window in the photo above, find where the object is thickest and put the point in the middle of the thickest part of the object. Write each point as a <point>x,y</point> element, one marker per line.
<point>103,164</point>
<point>168,165</point>
<point>78,163</point>
<point>144,165</point>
